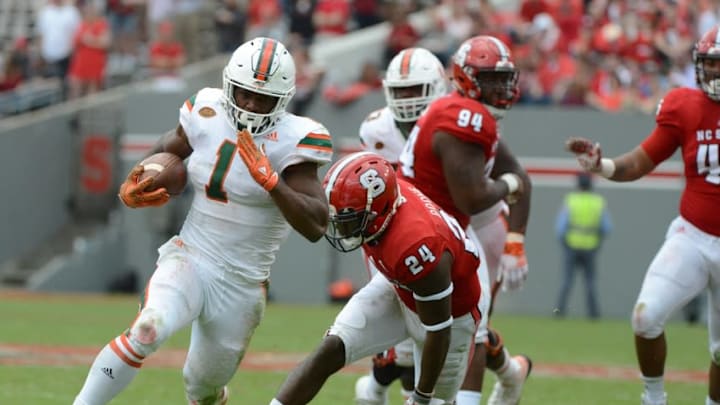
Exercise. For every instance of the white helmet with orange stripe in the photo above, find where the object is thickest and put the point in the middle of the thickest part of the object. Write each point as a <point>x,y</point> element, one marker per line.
<point>414,78</point>
<point>260,73</point>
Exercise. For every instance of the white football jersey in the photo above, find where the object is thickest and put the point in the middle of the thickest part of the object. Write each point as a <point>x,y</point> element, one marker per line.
<point>380,134</point>
<point>233,220</point>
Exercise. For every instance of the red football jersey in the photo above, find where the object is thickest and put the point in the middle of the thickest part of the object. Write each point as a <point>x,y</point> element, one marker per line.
<point>465,118</point>
<point>412,245</point>
<point>688,119</point>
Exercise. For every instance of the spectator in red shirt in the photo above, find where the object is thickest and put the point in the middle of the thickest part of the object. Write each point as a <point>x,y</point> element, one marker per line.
<point>568,15</point>
<point>87,65</point>
<point>402,34</point>
<point>265,19</point>
<point>528,10</point>
<point>331,18</point>
<point>11,75</point>
<point>167,54</point>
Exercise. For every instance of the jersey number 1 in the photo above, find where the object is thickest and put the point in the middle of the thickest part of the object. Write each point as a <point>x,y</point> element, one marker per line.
<point>215,190</point>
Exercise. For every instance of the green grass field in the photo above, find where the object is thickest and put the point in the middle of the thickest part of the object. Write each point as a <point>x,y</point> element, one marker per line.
<point>92,321</point>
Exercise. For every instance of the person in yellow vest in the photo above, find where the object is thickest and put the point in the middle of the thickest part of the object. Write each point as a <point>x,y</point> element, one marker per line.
<point>582,224</point>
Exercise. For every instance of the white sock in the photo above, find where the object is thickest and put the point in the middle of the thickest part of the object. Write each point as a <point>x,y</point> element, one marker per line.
<point>709,401</point>
<point>275,402</point>
<point>109,374</point>
<point>654,387</point>
<point>468,398</point>
<point>508,370</point>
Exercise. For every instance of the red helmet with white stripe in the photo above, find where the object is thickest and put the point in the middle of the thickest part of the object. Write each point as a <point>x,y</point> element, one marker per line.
<point>483,69</point>
<point>363,194</point>
<point>706,57</point>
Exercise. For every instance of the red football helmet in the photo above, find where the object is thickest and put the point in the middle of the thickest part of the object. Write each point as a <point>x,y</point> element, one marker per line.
<point>363,194</point>
<point>482,68</point>
<point>706,57</point>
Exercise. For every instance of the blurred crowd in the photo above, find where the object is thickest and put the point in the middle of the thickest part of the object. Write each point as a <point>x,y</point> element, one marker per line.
<point>611,55</point>
<point>608,54</point>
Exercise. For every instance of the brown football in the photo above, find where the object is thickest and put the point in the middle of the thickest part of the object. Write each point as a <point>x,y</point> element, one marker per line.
<point>167,169</point>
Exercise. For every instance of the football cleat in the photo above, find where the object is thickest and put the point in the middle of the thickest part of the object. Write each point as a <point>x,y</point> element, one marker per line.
<point>509,392</point>
<point>645,399</point>
<point>365,396</point>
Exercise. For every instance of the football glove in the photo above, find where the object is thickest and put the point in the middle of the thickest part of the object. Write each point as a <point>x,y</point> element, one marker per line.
<point>132,193</point>
<point>513,266</point>
<point>588,154</point>
<point>256,161</point>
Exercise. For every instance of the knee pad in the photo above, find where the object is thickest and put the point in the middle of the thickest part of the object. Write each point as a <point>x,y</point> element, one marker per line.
<point>647,323</point>
<point>494,343</point>
<point>146,333</point>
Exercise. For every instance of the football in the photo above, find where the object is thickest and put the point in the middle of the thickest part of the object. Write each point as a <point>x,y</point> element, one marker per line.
<point>168,171</point>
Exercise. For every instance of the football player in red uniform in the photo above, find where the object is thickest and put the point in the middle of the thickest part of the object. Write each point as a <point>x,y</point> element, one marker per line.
<point>455,156</point>
<point>689,260</point>
<point>427,287</point>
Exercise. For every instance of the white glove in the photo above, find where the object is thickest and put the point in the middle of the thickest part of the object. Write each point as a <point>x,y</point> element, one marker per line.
<point>513,267</point>
<point>587,153</point>
<point>420,398</point>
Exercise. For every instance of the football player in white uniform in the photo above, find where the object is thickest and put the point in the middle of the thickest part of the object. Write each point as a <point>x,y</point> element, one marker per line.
<point>414,78</point>
<point>253,168</point>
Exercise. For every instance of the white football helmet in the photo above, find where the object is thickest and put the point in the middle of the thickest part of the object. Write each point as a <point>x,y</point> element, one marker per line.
<point>261,65</point>
<point>413,67</point>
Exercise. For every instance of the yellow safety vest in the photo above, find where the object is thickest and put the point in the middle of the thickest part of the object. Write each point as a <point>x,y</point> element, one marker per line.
<point>584,216</point>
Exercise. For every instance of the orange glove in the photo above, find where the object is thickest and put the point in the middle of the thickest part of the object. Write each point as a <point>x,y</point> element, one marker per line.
<point>256,161</point>
<point>133,194</point>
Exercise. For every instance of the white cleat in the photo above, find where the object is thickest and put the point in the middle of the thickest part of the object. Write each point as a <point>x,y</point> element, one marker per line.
<point>509,392</point>
<point>365,396</point>
<point>645,400</point>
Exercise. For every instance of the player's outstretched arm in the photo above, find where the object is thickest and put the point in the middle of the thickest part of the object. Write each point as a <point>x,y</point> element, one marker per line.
<point>629,166</point>
<point>506,162</point>
<point>513,267</point>
<point>432,295</point>
<point>463,165</point>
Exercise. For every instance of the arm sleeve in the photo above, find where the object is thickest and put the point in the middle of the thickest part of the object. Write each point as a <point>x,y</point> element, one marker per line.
<point>664,139</point>
<point>186,114</point>
<point>316,146</point>
<point>661,143</point>
<point>419,259</point>
<point>468,123</point>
